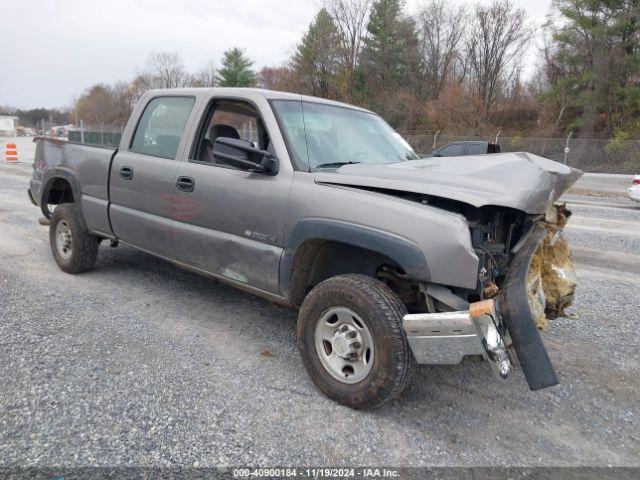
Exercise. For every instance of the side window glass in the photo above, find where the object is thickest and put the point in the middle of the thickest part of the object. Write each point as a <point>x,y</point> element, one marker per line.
<point>161,126</point>
<point>232,119</point>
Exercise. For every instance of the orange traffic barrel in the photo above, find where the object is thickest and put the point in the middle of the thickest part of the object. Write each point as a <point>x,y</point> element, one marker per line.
<point>11,153</point>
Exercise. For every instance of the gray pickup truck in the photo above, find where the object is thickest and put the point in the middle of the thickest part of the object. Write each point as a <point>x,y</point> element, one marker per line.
<point>391,259</point>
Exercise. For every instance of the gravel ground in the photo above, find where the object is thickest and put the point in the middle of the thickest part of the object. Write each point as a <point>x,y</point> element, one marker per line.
<point>606,225</point>
<point>602,184</point>
<point>139,363</point>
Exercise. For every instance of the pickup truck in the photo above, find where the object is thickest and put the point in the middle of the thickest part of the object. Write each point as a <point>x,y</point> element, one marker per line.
<point>392,260</point>
<point>466,147</point>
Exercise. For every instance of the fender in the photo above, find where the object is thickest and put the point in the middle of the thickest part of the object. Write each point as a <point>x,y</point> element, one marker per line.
<point>51,176</point>
<point>409,257</point>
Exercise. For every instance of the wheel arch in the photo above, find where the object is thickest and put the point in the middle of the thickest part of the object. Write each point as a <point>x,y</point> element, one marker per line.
<point>318,249</point>
<point>60,186</point>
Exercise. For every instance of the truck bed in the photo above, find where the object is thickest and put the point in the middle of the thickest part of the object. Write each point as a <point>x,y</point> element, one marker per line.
<point>90,184</point>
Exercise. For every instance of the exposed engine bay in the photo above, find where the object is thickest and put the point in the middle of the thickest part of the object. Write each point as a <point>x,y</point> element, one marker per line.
<point>551,281</point>
<point>497,234</point>
<point>525,278</point>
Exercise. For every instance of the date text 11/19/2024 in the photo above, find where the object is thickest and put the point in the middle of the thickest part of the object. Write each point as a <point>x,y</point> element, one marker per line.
<point>315,473</point>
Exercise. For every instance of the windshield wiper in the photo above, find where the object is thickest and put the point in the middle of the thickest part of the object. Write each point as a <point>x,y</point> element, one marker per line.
<point>335,164</point>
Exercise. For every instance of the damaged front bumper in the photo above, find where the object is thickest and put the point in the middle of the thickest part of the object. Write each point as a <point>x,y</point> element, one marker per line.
<point>500,330</point>
<point>446,338</point>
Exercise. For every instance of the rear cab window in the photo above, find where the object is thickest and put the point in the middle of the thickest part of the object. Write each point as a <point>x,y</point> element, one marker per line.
<point>161,126</point>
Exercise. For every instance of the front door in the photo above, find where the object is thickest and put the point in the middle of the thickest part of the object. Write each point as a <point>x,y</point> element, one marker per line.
<point>228,221</point>
<point>143,176</point>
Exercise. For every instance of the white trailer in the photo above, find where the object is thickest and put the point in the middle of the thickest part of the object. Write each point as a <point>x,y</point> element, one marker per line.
<point>8,126</point>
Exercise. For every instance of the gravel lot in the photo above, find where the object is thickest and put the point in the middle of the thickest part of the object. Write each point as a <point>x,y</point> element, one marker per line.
<point>602,184</point>
<point>139,363</point>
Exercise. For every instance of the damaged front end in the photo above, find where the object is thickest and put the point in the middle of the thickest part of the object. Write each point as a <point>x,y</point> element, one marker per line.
<point>445,338</point>
<point>526,277</point>
<point>551,279</point>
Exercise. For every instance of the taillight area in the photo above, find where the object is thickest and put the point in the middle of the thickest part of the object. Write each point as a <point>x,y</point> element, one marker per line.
<point>636,181</point>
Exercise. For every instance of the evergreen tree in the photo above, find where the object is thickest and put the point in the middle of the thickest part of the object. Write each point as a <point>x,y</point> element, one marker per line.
<point>593,65</point>
<point>316,59</point>
<point>390,56</point>
<point>236,69</point>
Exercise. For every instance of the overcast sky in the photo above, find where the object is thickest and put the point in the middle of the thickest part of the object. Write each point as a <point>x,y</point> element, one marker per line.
<point>54,50</point>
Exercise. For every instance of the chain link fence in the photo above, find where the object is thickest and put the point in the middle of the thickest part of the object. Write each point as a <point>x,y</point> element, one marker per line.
<point>98,135</point>
<point>588,153</point>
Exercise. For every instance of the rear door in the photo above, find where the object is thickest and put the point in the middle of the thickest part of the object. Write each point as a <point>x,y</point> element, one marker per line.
<point>143,175</point>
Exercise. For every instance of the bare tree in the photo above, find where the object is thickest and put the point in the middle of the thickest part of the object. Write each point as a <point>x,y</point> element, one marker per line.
<point>441,32</point>
<point>123,101</point>
<point>350,17</point>
<point>96,105</point>
<point>205,77</point>
<point>164,70</point>
<point>499,35</point>
<point>139,85</point>
<point>277,78</point>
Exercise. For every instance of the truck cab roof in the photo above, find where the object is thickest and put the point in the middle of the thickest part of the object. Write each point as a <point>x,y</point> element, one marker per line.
<point>243,92</point>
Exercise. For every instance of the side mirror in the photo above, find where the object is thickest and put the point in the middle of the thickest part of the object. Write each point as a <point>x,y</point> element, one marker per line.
<point>242,154</point>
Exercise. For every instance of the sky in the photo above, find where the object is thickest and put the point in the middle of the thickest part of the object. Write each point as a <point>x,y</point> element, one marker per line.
<point>55,49</point>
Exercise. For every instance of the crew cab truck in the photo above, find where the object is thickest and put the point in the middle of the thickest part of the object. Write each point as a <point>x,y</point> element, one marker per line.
<point>320,206</point>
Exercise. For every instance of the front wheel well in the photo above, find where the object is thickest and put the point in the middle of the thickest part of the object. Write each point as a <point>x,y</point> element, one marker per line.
<point>317,260</point>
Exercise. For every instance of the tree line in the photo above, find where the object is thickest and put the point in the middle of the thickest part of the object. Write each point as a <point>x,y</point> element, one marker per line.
<point>454,68</point>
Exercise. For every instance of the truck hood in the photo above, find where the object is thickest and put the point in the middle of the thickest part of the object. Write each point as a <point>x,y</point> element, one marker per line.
<point>520,180</point>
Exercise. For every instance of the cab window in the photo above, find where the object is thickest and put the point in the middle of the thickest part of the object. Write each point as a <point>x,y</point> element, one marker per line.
<point>161,126</point>
<point>230,119</point>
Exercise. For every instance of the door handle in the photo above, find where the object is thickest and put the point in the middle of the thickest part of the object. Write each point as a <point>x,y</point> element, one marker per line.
<point>126,173</point>
<point>185,184</point>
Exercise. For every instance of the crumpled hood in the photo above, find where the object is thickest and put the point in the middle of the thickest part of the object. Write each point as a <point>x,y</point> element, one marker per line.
<point>520,180</point>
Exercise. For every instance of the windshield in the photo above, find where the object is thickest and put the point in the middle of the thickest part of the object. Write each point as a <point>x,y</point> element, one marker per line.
<point>325,136</point>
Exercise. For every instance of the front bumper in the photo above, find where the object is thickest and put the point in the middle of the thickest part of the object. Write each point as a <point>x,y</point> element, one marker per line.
<point>487,328</point>
<point>446,338</point>
<point>442,338</point>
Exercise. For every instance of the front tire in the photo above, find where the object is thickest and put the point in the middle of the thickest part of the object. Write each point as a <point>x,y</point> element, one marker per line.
<point>352,343</point>
<point>74,249</point>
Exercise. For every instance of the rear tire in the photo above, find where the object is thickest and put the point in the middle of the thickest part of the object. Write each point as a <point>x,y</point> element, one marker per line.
<point>373,315</point>
<point>74,249</point>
